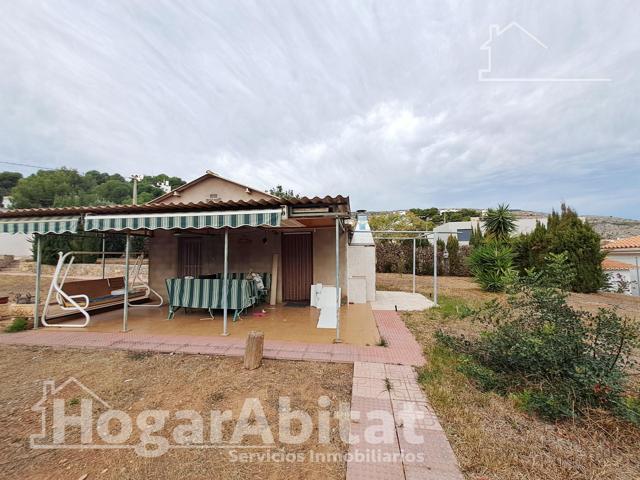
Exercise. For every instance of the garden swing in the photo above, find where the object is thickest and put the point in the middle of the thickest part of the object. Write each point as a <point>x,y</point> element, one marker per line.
<point>83,296</point>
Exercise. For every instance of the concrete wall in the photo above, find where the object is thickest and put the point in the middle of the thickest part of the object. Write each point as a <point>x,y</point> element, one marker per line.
<point>16,244</point>
<point>247,251</point>
<point>163,260</point>
<point>225,191</point>
<point>362,263</point>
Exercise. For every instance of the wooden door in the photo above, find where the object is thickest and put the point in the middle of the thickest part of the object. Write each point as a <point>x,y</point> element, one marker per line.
<point>189,256</point>
<point>297,266</point>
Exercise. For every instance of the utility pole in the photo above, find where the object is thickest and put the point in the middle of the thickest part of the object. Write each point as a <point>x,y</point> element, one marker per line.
<point>135,178</point>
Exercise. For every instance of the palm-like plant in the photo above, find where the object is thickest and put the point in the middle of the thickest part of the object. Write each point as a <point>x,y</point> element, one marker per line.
<point>500,222</point>
<point>492,266</point>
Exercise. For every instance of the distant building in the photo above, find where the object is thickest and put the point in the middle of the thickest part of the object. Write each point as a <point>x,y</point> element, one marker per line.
<point>19,244</point>
<point>623,277</point>
<point>462,230</point>
<point>625,251</point>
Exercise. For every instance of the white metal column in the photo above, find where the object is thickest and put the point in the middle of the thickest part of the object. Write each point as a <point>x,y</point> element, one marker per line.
<point>36,304</point>
<point>414,265</point>
<point>435,268</point>
<point>125,312</point>
<point>225,294</point>
<point>338,340</point>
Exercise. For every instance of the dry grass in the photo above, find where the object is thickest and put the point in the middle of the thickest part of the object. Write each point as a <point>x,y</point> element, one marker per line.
<point>12,284</point>
<point>134,382</point>
<point>491,437</point>
<point>466,289</point>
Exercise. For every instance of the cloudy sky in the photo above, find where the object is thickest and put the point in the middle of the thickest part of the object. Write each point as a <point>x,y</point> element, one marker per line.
<point>380,100</point>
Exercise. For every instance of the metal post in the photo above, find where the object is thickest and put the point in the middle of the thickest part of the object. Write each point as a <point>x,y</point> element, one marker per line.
<point>338,340</point>
<point>435,268</point>
<point>414,265</point>
<point>134,199</point>
<point>125,314</point>
<point>104,243</point>
<point>36,303</point>
<point>225,332</point>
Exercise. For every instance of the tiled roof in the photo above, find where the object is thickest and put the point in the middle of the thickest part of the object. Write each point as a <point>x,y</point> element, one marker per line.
<point>338,200</point>
<point>629,242</point>
<point>615,265</point>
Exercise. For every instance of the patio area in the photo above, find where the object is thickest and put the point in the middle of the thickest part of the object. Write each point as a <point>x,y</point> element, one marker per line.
<point>280,322</point>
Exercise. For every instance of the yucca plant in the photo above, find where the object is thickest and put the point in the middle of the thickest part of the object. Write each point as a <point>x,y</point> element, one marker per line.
<point>500,222</point>
<point>491,264</point>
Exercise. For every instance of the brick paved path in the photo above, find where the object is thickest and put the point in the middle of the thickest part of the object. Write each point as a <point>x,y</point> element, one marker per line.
<point>402,348</point>
<point>394,389</point>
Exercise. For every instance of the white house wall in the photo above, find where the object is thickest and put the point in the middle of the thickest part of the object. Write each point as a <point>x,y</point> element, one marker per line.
<point>16,244</point>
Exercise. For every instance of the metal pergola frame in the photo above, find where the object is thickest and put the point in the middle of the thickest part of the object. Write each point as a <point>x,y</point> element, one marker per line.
<point>413,235</point>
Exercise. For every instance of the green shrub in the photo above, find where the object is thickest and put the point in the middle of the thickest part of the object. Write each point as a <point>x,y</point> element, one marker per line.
<point>491,265</point>
<point>557,361</point>
<point>476,237</point>
<point>19,324</point>
<point>546,405</point>
<point>484,377</point>
<point>629,409</point>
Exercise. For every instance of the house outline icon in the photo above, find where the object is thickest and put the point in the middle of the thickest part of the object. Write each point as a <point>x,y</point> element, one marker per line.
<point>495,32</point>
<point>50,390</point>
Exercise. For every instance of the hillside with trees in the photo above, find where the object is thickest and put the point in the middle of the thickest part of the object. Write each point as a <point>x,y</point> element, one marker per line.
<point>67,188</point>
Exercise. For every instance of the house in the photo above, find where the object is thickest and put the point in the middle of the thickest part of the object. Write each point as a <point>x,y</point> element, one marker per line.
<point>625,252</point>
<point>203,240</point>
<point>623,277</point>
<point>462,230</point>
<point>17,245</point>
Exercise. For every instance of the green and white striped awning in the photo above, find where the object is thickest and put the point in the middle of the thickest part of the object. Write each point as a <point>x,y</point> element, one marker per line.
<point>196,220</point>
<point>39,225</point>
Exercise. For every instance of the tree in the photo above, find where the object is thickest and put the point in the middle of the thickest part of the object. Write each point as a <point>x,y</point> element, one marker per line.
<point>531,248</point>
<point>279,191</point>
<point>568,233</point>
<point>500,223</point>
<point>453,249</point>
<point>65,188</point>
<point>114,191</point>
<point>476,238</point>
<point>44,187</point>
<point>399,221</point>
<point>8,180</point>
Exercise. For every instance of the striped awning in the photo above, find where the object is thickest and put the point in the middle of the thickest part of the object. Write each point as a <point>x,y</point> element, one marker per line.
<point>195,220</point>
<point>39,225</point>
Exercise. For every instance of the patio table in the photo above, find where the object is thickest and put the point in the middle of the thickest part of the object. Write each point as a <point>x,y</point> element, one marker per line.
<point>206,293</point>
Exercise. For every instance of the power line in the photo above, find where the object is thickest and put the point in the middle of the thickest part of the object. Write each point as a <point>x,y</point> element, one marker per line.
<point>27,165</point>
